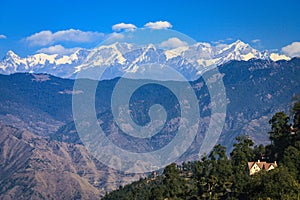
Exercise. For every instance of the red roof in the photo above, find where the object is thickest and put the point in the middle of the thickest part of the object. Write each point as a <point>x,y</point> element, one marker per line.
<point>262,165</point>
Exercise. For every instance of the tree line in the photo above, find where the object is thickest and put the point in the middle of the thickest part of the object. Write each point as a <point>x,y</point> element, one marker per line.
<point>218,176</point>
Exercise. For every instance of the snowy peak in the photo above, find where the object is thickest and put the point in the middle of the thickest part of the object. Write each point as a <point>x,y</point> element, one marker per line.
<point>11,54</point>
<point>106,55</point>
<point>239,44</point>
<point>239,51</point>
<point>41,63</point>
<point>125,57</point>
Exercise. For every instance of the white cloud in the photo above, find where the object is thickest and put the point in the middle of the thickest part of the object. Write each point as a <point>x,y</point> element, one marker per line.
<point>158,25</point>
<point>42,38</point>
<point>222,41</point>
<point>173,43</point>
<point>47,37</point>
<point>292,50</point>
<point>218,42</point>
<point>221,46</point>
<point>123,26</point>
<point>2,36</point>
<point>58,49</point>
<point>115,36</point>
<point>273,50</point>
<point>255,41</point>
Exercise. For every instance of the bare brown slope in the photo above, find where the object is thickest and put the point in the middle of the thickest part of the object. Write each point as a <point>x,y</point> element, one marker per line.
<point>32,167</point>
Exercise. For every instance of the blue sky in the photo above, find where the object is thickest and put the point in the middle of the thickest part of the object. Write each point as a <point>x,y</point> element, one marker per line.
<point>263,24</point>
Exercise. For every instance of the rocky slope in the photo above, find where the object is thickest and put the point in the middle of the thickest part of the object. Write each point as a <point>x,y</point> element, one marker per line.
<point>33,167</point>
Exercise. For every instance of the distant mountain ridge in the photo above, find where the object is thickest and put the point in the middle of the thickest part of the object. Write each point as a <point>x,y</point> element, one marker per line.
<point>255,90</point>
<point>40,146</point>
<point>122,58</point>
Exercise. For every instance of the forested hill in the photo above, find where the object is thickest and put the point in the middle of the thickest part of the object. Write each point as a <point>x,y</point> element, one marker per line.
<point>218,177</point>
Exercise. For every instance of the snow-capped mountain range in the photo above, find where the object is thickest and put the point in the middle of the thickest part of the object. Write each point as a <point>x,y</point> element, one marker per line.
<point>120,58</point>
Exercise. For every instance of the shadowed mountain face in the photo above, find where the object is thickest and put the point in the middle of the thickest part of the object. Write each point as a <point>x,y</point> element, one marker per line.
<point>50,152</point>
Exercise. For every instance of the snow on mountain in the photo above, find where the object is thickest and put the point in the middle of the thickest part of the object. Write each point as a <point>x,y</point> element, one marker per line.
<point>122,58</point>
<point>276,57</point>
<point>54,64</point>
<point>11,63</point>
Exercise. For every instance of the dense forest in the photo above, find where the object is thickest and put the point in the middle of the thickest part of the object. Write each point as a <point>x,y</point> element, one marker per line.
<point>219,176</point>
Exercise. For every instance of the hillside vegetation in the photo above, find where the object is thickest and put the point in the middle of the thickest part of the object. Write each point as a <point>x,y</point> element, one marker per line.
<point>216,176</point>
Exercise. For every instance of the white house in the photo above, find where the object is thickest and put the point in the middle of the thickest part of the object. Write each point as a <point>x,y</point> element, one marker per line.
<point>255,167</point>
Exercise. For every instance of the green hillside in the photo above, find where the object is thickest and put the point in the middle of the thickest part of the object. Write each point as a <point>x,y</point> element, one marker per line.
<point>216,176</point>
